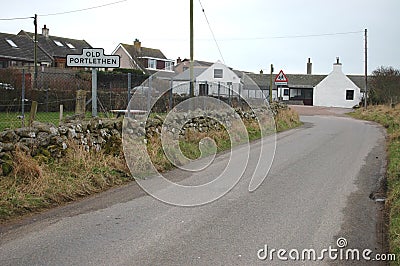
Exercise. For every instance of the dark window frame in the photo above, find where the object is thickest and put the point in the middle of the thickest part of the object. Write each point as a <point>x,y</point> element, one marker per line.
<point>349,95</point>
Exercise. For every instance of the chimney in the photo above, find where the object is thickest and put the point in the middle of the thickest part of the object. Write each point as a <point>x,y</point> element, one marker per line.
<point>179,60</point>
<point>138,45</point>
<point>261,72</point>
<point>337,67</point>
<point>309,67</point>
<point>45,31</point>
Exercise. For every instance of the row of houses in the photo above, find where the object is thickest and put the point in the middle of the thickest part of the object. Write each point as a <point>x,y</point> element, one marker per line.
<point>333,90</point>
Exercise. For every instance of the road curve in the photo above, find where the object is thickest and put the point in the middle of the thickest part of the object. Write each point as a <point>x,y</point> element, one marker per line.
<point>317,190</point>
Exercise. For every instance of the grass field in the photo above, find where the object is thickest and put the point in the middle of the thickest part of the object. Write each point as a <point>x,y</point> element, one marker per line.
<point>390,119</point>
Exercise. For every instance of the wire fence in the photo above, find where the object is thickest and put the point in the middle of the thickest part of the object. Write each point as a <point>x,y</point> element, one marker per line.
<point>55,92</point>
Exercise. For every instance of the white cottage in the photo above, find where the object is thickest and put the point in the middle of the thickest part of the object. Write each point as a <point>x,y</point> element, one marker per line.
<point>336,90</point>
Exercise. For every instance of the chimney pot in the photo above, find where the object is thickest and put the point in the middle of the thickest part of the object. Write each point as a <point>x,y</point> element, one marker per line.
<point>179,60</point>
<point>261,71</point>
<point>45,31</point>
<point>309,67</point>
<point>137,44</point>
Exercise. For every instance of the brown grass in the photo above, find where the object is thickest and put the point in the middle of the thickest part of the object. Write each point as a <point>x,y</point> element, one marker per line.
<point>34,185</point>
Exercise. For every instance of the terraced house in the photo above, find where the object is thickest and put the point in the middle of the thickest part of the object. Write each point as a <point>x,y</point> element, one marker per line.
<point>18,50</point>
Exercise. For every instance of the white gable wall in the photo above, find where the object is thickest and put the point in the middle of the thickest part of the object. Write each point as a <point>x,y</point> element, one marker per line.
<point>331,91</point>
<point>227,76</point>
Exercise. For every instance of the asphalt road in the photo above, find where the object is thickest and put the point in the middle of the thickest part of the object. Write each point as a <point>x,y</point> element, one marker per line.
<point>317,190</point>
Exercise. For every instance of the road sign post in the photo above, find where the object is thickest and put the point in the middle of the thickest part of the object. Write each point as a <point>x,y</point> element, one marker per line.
<point>93,58</point>
<point>281,79</point>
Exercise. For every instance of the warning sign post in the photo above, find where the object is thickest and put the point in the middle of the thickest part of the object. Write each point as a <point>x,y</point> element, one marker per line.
<point>281,79</point>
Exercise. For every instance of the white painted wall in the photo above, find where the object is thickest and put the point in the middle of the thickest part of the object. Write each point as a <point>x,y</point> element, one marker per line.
<point>182,87</point>
<point>331,91</point>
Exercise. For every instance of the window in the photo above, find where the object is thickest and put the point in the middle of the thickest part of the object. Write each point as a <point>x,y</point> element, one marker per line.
<point>218,73</point>
<point>11,43</point>
<point>152,63</point>
<point>168,66</point>
<point>349,95</point>
<point>58,43</point>
<point>70,45</point>
<point>286,92</point>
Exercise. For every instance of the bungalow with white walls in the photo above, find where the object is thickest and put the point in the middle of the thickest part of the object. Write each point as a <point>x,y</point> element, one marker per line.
<point>337,90</point>
<point>214,80</point>
<point>333,90</point>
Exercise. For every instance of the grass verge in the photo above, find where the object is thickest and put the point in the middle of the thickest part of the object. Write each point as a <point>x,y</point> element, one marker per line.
<point>37,183</point>
<point>390,119</point>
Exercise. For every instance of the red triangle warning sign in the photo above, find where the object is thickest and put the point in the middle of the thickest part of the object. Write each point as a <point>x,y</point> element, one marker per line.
<point>281,78</point>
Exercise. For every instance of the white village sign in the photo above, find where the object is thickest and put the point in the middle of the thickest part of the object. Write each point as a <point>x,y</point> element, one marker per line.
<point>94,58</point>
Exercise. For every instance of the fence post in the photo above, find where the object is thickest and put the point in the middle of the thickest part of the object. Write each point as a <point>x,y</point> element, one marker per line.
<point>80,102</point>
<point>94,92</point>
<point>32,115</point>
<point>239,96</point>
<point>219,90</point>
<point>129,93</point>
<point>23,98</point>
<point>149,94</point>
<point>61,113</point>
<point>171,94</point>
<point>229,95</point>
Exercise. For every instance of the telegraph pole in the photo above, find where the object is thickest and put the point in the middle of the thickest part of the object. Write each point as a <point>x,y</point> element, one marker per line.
<point>191,93</point>
<point>35,50</point>
<point>365,69</point>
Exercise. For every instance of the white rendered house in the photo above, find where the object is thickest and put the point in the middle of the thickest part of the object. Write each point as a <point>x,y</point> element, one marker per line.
<point>336,90</point>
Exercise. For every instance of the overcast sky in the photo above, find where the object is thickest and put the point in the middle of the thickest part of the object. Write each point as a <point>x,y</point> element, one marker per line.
<point>248,32</point>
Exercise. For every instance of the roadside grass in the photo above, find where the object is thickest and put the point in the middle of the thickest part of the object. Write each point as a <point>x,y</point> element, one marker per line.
<point>390,119</point>
<point>41,182</point>
<point>37,183</point>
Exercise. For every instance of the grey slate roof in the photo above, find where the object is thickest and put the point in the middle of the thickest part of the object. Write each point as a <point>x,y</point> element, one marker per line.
<point>185,75</point>
<point>47,44</point>
<point>24,51</point>
<point>144,52</point>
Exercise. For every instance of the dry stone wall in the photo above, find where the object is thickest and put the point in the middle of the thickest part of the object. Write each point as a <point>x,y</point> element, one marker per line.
<point>46,139</point>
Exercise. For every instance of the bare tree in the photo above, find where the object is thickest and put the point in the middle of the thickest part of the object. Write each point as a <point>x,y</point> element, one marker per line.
<point>385,85</point>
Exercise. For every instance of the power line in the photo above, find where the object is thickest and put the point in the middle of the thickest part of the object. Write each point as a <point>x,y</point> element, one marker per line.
<point>65,12</point>
<point>16,18</point>
<point>267,37</point>
<point>209,26</point>
<point>80,10</point>
<point>290,36</point>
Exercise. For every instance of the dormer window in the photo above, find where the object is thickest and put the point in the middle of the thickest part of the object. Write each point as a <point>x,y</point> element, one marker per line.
<point>58,43</point>
<point>11,43</point>
<point>70,45</point>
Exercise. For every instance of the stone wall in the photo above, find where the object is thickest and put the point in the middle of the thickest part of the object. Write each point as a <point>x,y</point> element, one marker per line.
<point>48,140</point>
